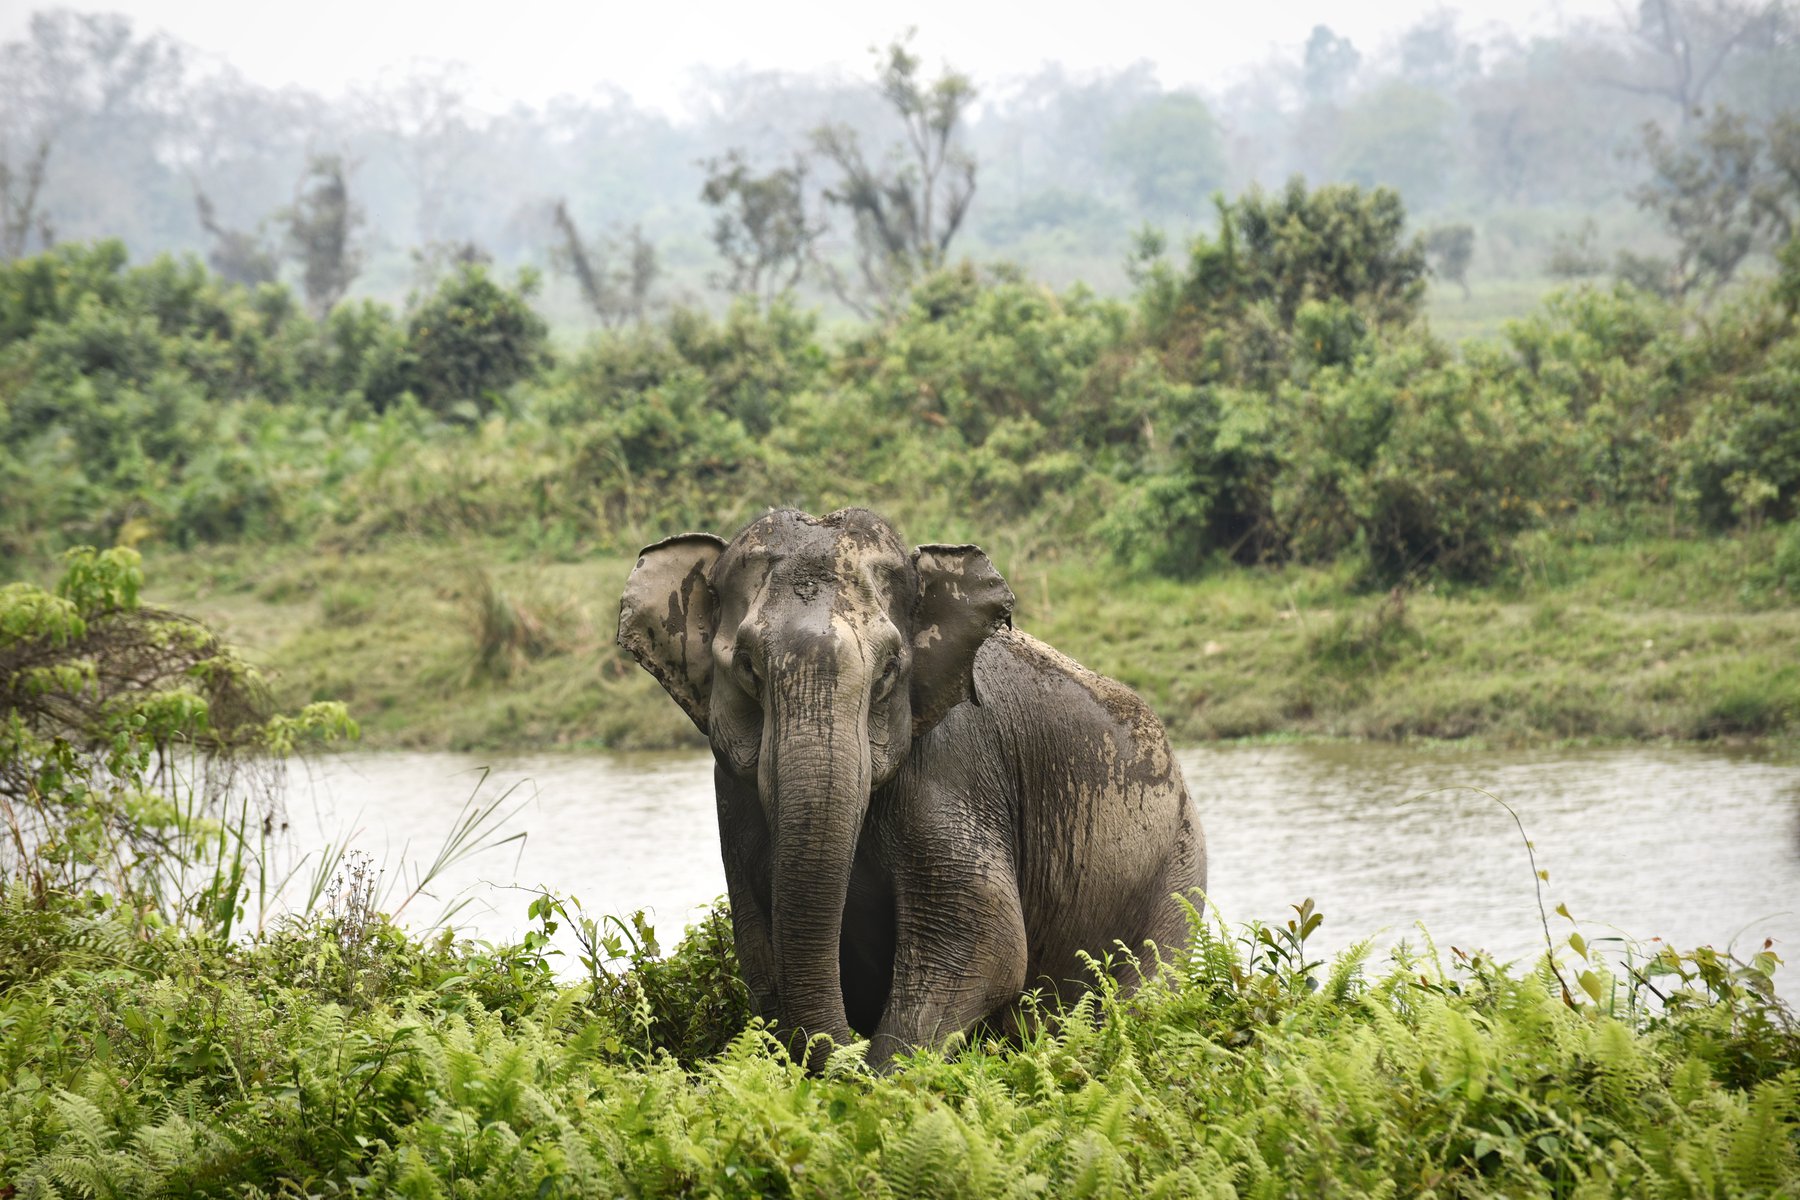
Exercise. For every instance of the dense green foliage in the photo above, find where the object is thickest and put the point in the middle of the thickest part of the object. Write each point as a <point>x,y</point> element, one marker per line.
<point>1273,397</point>
<point>1270,398</point>
<point>137,751</point>
<point>157,399</point>
<point>338,1056</point>
<point>473,339</point>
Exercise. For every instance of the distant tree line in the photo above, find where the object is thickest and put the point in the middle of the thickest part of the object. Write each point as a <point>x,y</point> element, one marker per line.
<point>849,189</point>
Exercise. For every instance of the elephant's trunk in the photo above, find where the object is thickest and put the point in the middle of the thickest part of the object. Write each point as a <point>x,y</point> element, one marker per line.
<point>814,778</point>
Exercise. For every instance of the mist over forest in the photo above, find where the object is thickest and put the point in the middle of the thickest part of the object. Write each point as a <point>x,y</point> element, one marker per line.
<point>1519,158</point>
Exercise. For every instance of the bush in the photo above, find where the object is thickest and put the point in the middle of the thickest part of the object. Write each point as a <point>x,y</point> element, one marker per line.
<point>1274,253</point>
<point>129,738</point>
<point>143,395</point>
<point>1610,370</point>
<point>1741,458</point>
<point>1269,398</point>
<point>473,339</point>
<point>1417,463</point>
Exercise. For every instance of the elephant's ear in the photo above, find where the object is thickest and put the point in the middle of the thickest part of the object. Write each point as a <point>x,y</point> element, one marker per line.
<point>962,601</point>
<point>666,618</point>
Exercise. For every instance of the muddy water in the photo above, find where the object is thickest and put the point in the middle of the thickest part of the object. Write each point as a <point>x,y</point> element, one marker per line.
<point>1690,846</point>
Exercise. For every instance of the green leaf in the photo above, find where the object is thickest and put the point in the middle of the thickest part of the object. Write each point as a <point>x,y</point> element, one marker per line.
<point>1590,983</point>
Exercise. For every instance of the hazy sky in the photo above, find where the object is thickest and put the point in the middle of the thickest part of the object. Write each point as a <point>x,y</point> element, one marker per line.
<point>531,50</point>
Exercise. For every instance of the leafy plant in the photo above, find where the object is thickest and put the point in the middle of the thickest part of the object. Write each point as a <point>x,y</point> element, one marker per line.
<point>451,1067</point>
<point>473,339</point>
<point>136,751</point>
<point>690,1003</point>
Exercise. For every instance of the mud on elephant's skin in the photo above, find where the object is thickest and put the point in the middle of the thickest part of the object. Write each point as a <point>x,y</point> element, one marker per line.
<point>923,812</point>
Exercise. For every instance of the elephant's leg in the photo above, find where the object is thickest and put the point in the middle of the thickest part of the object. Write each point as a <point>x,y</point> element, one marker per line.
<point>744,843</point>
<point>961,950</point>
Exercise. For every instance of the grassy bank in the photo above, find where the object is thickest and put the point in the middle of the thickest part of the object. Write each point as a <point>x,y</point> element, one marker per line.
<point>469,645</point>
<point>338,1057</point>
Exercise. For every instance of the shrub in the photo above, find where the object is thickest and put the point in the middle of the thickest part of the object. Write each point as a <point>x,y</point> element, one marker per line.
<point>127,737</point>
<point>1418,463</point>
<point>970,354</point>
<point>1608,367</point>
<point>1275,252</point>
<point>1267,398</point>
<point>473,339</point>
<point>1742,456</point>
<point>145,395</point>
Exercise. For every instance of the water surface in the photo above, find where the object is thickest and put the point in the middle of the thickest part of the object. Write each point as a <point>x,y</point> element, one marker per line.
<point>1687,845</point>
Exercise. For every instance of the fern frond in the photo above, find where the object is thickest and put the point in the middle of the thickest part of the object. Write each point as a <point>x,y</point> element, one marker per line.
<point>83,1124</point>
<point>1762,1156</point>
<point>922,1165</point>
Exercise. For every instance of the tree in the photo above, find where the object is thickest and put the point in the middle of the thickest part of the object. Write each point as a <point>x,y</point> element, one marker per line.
<point>1170,149</point>
<point>1397,135</point>
<point>1434,55</point>
<point>1575,254</point>
<point>1449,249</point>
<point>239,256</point>
<point>21,194</point>
<point>615,275</point>
<point>1677,50</point>
<point>85,105</point>
<point>1327,69</point>
<point>1053,131</point>
<point>321,230</point>
<point>1337,245</point>
<point>433,260</point>
<point>1329,65</point>
<point>761,229</point>
<point>1777,192</point>
<point>1537,126</point>
<point>1728,192</point>
<point>906,211</point>
<point>425,118</point>
<point>129,734</point>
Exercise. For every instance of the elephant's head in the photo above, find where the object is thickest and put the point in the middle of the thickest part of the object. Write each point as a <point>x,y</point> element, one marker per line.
<point>811,652</point>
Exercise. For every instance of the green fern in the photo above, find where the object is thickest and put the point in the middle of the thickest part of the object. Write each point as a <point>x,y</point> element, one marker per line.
<point>1763,1156</point>
<point>192,1067</point>
<point>926,1162</point>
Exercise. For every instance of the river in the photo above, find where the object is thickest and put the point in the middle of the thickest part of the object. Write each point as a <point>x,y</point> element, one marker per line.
<point>1692,846</point>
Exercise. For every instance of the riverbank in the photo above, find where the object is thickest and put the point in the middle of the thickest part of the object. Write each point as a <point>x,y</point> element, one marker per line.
<point>469,646</point>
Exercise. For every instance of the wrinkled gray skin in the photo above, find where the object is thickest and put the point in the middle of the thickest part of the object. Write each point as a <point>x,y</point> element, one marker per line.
<point>923,812</point>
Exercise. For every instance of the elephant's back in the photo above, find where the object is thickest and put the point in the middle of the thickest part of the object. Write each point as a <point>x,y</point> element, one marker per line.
<point>1078,717</point>
<point>1105,829</point>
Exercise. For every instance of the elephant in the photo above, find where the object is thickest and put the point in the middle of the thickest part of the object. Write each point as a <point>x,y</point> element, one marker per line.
<point>923,812</point>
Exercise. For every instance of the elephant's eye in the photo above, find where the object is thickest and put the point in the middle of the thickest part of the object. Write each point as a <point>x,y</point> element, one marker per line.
<point>889,674</point>
<point>746,674</point>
